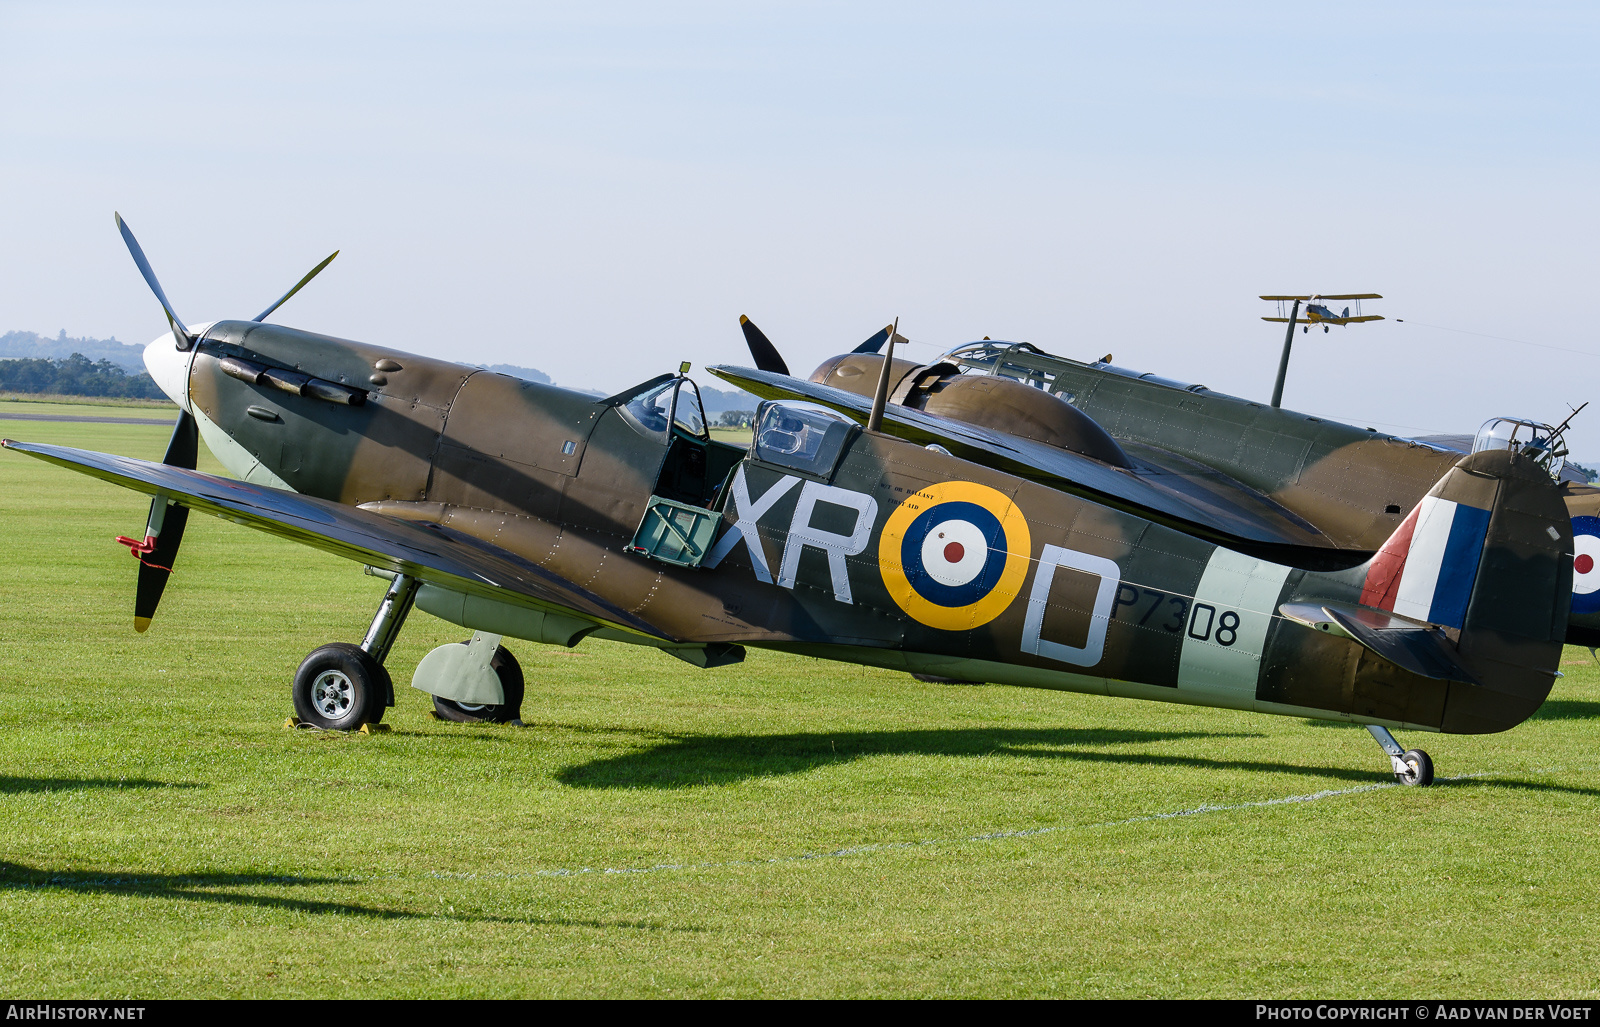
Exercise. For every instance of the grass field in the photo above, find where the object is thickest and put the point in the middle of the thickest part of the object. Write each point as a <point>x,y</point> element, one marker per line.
<point>781,828</point>
<point>35,402</point>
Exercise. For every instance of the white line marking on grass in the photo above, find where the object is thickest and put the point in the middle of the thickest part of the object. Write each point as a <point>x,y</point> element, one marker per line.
<point>991,836</point>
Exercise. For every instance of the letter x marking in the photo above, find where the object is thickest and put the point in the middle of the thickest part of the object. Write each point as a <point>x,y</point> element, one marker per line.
<point>746,513</point>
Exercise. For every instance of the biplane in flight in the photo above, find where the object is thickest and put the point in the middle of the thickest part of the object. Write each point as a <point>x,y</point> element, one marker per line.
<point>1320,313</point>
<point>933,519</point>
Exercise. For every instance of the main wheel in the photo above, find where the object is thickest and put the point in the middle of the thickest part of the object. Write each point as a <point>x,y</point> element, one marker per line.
<point>1419,768</point>
<point>340,687</point>
<point>509,671</point>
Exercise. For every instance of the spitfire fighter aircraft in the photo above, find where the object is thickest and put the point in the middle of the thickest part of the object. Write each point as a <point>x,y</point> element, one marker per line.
<point>886,514</point>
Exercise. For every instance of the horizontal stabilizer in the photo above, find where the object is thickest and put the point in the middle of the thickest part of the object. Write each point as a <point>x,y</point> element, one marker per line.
<point>1414,645</point>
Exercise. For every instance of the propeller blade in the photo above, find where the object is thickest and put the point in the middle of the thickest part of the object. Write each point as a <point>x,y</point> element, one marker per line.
<point>761,348</point>
<point>875,343</point>
<point>164,528</point>
<point>155,567</point>
<point>297,287</point>
<point>178,327</point>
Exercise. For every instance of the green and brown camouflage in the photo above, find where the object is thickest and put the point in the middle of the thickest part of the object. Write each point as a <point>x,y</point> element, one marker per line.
<point>1087,535</point>
<point>520,509</point>
<point>1354,486</point>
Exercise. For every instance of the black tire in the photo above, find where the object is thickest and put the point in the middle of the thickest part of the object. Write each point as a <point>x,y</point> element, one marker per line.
<point>509,671</point>
<point>1420,774</point>
<point>339,687</point>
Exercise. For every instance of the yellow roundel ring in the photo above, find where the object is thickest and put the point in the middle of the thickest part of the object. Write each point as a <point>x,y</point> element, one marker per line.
<point>954,555</point>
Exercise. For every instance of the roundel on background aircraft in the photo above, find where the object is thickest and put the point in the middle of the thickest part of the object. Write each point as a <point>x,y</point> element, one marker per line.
<point>954,555</point>
<point>1586,564</point>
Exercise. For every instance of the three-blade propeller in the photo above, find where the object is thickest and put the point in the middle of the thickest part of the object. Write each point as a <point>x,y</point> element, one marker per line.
<point>766,354</point>
<point>164,527</point>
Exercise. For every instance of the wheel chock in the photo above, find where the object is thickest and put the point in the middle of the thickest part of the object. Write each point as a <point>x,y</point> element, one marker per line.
<point>374,729</point>
<point>291,723</point>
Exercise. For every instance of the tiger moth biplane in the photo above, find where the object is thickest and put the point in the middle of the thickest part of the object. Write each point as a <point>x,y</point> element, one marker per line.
<point>1320,313</point>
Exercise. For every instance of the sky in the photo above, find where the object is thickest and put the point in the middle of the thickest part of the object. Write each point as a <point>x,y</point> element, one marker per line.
<point>599,190</point>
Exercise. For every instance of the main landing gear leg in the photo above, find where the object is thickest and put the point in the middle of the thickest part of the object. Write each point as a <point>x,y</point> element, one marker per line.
<point>1411,766</point>
<point>342,686</point>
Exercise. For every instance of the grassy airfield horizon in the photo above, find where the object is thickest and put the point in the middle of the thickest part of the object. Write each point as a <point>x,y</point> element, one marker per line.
<point>781,828</point>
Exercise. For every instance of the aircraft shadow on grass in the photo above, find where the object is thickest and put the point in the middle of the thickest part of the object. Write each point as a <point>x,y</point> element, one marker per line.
<point>698,760</point>
<point>22,785</point>
<point>1567,709</point>
<point>188,887</point>
<point>1514,785</point>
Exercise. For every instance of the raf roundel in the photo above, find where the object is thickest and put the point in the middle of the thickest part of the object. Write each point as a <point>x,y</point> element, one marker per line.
<point>954,555</point>
<point>1586,564</point>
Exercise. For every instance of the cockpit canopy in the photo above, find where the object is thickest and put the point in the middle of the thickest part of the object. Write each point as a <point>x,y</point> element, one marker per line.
<point>802,436</point>
<point>1530,438</point>
<point>675,402</point>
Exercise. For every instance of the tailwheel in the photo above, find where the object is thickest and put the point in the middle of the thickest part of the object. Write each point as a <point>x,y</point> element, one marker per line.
<point>509,671</point>
<point>1414,767</point>
<point>1411,766</point>
<point>339,687</point>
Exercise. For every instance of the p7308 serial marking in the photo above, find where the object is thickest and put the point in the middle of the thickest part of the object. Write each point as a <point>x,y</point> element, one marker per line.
<point>1132,595</point>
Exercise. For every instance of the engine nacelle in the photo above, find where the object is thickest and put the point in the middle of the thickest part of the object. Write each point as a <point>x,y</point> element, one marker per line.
<point>997,403</point>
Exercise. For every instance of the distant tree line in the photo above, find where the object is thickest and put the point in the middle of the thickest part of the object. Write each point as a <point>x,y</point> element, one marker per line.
<point>736,418</point>
<point>76,375</point>
<point>34,346</point>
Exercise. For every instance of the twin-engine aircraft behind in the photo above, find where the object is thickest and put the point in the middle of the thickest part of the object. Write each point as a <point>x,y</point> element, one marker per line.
<point>982,529</point>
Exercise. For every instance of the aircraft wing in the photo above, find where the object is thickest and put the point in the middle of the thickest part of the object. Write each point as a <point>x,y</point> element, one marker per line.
<point>428,552</point>
<point>1173,491</point>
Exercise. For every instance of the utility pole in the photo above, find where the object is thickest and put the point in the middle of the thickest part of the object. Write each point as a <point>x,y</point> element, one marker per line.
<point>1283,362</point>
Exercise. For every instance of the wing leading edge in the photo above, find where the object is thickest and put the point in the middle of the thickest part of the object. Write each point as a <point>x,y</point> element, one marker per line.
<point>427,552</point>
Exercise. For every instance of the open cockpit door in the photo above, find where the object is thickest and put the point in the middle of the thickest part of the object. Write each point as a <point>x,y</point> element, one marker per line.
<point>681,516</point>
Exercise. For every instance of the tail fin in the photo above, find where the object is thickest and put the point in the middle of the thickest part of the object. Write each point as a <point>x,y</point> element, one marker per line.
<point>1486,556</point>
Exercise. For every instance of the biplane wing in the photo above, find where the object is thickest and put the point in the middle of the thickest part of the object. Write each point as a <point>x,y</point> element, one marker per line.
<point>1318,319</point>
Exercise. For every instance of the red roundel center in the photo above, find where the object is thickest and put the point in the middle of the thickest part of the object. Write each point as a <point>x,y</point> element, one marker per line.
<point>954,552</point>
<point>1583,564</point>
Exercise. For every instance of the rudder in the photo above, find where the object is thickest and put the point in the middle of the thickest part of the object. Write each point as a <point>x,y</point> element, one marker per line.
<point>1487,556</point>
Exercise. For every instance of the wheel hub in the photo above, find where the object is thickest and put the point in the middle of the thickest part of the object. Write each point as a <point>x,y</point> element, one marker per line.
<point>332,693</point>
